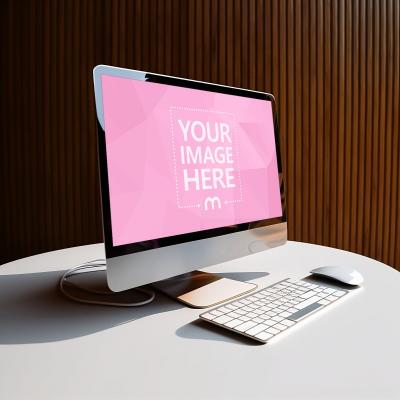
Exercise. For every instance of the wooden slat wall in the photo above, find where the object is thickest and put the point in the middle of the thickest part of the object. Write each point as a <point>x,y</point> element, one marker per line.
<point>332,65</point>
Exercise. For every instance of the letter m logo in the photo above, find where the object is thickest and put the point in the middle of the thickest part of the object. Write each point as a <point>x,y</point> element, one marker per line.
<point>212,202</point>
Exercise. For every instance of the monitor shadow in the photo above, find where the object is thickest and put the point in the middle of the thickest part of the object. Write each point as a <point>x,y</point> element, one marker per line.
<point>32,310</point>
<point>243,276</point>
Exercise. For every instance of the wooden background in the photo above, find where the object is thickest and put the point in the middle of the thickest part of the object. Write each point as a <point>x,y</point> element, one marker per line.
<point>332,65</point>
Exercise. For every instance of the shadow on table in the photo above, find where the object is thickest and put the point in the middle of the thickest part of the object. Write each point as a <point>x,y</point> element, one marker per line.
<point>243,276</point>
<point>32,310</point>
<point>202,330</point>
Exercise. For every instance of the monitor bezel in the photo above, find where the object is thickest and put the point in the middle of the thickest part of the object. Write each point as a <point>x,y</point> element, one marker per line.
<point>125,249</point>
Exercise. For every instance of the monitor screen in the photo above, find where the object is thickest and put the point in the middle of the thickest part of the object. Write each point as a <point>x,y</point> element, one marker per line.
<point>182,160</point>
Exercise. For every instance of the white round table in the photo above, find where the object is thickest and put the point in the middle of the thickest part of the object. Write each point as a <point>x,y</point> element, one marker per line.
<point>52,348</point>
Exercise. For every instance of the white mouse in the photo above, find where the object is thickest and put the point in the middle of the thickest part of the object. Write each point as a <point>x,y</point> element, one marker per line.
<point>346,275</point>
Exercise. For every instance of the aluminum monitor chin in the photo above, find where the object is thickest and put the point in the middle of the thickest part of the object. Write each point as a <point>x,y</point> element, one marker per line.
<point>190,173</point>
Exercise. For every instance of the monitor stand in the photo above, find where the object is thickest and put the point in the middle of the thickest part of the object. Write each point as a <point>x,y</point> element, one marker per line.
<point>200,289</point>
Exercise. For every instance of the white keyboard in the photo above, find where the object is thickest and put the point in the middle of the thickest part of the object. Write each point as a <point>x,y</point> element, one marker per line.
<point>270,311</point>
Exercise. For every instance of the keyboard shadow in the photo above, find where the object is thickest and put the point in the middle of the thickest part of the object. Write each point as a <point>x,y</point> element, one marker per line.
<point>199,329</point>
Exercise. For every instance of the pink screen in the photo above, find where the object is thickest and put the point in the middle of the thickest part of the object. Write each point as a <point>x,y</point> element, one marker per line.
<point>184,160</point>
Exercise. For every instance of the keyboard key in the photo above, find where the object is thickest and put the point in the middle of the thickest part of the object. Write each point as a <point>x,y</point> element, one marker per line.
<point>287,322</point>
<point>257,329</point>
<point>224,310</point>
<point>281,327</point>
<point>222,319</point>
<point>263,335</point>
<point>308,294</point>
<point>331,298</point>
<point>266,308</point>
<point>304,311</point>
<point>339,293</point>
<point>244,318</point>
<point>233,315</point>
<point>209,316</point>
<point>245,326</point>
<point>313,286</point>
<point>234,322</point>
<point>329,290</point>
<point>277,319</point>
<point>284,314</point>
<point>307,302</point>
<point>272,330</point>
<point>216,313</point>
<point>258,320</point>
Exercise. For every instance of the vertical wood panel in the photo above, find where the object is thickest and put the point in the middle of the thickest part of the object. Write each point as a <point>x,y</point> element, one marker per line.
<point>362,117</point>
<point>333,66</point>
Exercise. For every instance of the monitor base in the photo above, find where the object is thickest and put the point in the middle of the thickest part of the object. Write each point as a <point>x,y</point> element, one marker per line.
<point>200,289</point>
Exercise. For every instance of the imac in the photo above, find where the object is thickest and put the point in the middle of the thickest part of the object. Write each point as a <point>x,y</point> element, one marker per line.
<point>191,176</point>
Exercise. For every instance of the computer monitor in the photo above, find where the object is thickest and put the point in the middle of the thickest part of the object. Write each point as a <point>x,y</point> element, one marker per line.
<point>191,176</point>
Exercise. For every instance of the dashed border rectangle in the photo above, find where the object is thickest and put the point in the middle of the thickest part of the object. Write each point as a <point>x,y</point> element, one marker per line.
<point>171,119</point>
